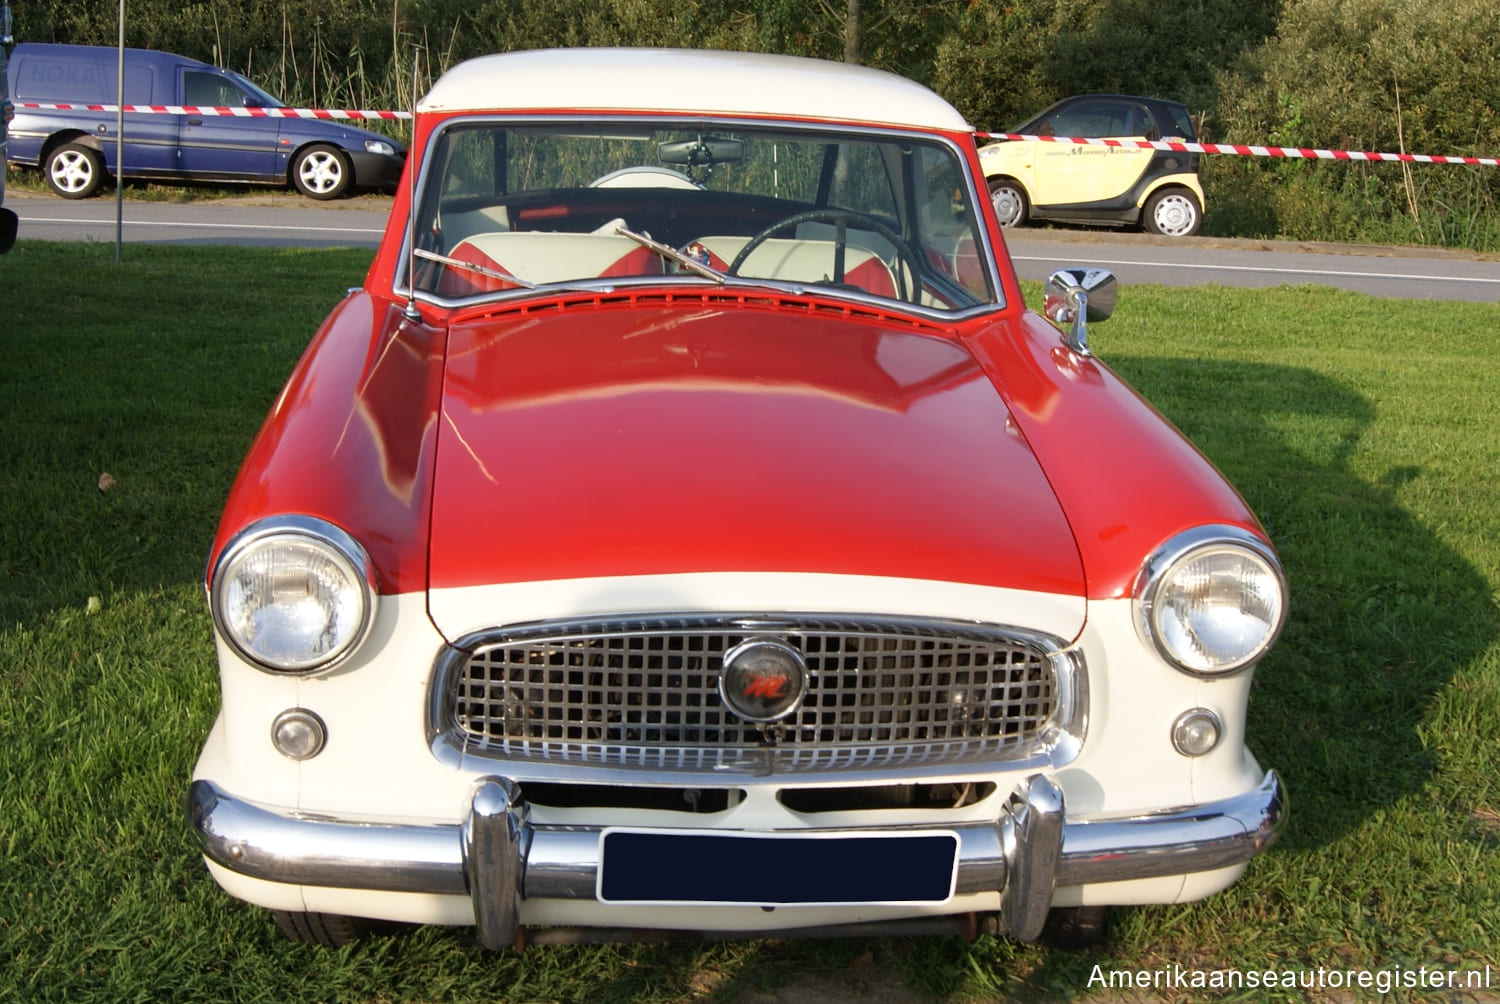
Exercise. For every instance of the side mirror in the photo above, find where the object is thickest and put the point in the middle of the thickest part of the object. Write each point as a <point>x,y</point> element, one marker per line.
<point>1075,296</point>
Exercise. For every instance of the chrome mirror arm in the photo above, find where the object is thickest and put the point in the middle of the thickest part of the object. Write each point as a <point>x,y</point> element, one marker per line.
<point>1075,296</point>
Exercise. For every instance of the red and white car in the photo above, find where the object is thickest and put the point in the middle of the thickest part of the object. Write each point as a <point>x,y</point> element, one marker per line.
<point>687,527</point>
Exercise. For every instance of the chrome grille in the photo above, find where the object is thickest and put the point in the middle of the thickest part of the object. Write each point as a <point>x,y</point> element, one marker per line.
<point>645,693</point>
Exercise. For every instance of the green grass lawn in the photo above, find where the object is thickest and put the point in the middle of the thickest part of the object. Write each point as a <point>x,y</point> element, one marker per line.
<point>1362,430</point>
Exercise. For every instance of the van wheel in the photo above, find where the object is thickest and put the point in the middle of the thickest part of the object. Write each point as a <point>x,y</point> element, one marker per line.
<point>75,171</point>
<point>322,172</point>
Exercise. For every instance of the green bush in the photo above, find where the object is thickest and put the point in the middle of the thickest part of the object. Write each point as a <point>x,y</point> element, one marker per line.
<point>1385,75</point>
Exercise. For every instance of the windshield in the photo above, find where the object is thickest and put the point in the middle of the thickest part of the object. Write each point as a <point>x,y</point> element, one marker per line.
<point>266,99</point>
<point>508,206</point>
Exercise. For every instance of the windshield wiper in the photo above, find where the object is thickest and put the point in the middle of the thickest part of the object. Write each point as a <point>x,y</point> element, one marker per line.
<point>470,266</point>
<point>672,254</point>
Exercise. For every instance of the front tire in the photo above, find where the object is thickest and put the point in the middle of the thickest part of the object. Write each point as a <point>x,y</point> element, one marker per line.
<point>74,171</point>
<point>1009,200</point>
<point>322,172</point>
<point>1172,212</point>
<point>328,930</point>
<point>1072,928</point>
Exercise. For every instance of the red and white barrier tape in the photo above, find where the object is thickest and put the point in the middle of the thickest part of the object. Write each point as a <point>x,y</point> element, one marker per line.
<point>1239,150</point>
<point>243,113</point>
<point>1234,149</point>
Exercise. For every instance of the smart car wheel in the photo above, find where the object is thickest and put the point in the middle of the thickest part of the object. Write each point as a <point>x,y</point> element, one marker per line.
<point>1173,212</point>
<point>321,172</point>
<point>1009,202</point>
<point>75,171</point>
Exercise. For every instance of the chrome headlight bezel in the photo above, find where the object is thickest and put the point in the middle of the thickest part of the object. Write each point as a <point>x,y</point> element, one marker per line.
<point>314,539</point>
<point>1158,585</point>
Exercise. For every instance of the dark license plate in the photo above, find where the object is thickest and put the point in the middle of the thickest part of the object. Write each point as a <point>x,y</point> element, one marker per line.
<point>764,869</point>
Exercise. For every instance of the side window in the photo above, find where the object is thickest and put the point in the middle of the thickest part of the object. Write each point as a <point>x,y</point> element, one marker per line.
<point>940,209</point>
<point>1181,125</point>
<point>1093,119</point>
<point>945,221</point>
<point>1139,123</point>
<point>209,90</point>
<point>469,167</point>
<point>861,181</point>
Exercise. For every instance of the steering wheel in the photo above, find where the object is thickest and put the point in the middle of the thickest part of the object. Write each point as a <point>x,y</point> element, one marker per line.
<point>840,219</point>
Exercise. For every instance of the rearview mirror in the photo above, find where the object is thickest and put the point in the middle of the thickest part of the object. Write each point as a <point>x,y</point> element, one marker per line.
<point>704,151</point>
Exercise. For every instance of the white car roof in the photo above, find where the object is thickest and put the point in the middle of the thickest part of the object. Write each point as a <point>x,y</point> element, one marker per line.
<point>688,81</point>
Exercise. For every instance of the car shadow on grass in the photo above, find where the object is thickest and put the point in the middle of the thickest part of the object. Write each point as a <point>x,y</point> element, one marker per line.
<point>1384,615</point>
<point>1383,611</point>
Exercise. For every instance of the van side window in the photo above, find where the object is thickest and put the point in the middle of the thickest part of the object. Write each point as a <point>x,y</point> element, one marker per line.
<point>209,90</point>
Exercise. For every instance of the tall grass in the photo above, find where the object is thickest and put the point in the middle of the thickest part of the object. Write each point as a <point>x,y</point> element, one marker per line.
<point>1435,205</point>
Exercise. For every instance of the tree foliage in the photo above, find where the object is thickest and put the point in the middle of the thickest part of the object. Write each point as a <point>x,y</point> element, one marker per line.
<point>1420,76</point>
<point>1005,61</point>
<point>1423,75</point>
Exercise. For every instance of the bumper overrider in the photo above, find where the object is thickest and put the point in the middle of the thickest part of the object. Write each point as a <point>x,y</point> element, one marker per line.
<point>498,857</point>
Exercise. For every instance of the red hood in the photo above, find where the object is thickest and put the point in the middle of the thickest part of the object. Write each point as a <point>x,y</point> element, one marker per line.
<point>641,440</point>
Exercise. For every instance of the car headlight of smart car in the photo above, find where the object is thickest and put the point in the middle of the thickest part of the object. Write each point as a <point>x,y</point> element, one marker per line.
<point>293,594</point>
<point>381,147</point>
<point>1211,600</point>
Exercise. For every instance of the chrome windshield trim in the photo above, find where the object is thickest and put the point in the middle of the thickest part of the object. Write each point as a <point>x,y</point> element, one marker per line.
<point>689,284</point>
<point>402,285</point>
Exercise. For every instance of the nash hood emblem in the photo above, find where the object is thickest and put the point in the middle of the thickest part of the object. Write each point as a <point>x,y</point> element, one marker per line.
<point>763,680</point>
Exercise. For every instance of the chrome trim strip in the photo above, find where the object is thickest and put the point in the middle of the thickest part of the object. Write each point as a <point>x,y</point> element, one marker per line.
<point>1212,836</point>
<point>1025,852</point>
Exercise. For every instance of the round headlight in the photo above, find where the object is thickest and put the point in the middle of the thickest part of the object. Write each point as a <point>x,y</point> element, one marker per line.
<point>1212,600</point>
<point>293,594</point>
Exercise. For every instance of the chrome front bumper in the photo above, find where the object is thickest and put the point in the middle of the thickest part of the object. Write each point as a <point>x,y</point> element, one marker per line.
<point>497,857</point>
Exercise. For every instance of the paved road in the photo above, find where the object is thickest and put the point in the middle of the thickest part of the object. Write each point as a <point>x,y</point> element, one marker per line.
<point>276,219</point>
<point>1408,273</point>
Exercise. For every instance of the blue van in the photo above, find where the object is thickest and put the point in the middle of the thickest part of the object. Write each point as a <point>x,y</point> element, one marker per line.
<point>75,149</point>
<point>8,222</point>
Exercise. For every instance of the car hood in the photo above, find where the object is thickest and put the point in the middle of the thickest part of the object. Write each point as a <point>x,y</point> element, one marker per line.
<point>609,441</point>
<point>351,137</point>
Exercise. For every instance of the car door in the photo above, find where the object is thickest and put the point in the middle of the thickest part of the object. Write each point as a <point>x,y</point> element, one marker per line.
<point>222,146</point>
<point>1072,173</point>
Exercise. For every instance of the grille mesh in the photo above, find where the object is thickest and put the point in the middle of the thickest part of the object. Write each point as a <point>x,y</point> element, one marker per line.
<point>645,693</point>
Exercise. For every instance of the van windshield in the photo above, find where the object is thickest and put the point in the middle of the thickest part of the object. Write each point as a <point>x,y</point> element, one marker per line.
<point>265,99</point>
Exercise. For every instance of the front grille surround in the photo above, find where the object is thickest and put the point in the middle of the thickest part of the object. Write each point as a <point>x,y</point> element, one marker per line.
<point>906,696</point>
